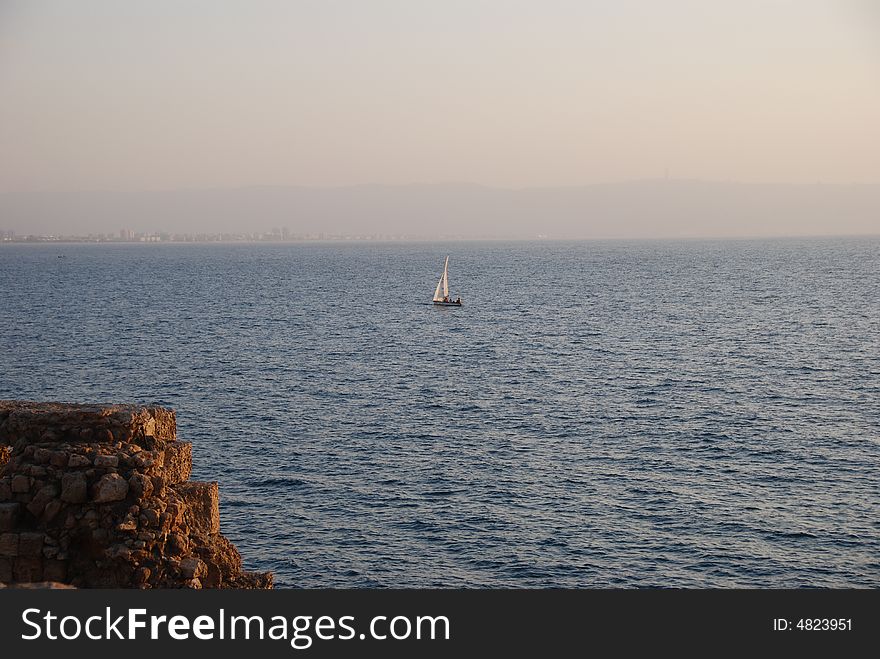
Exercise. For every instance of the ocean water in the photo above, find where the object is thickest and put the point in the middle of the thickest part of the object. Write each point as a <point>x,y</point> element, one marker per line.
<point>597,414</point>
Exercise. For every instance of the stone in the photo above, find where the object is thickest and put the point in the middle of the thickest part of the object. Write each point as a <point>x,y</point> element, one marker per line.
<point>254,580</point>
<point>52,509</point>
<point>42,497</point>
<point>74,488</point>
<point>111,487</point>
<point>178,544</point>
<point>202,506</point>
<point>159,487</point>
<point>77,460</point>
<point>9,515</point>
<point>30,544</point>
<point>193,568</point>
<point>70,462</point>
<point>42,455</point>
<point>221,558</point>
<point>27,569</point>
<point>59,459</point>
<point>144,460</point>
<point>51,422</point>
<point>141,577</point>
<point>140,486</point>
<point>178,462</point>
<point>9,544</point>
<point>5,570</point>
<point>149,517</point>
<point>54,570</point>
<point>105,461</point>
<point>21,483</point>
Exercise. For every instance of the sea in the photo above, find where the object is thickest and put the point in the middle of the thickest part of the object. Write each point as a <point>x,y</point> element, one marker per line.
<point>597,414</point>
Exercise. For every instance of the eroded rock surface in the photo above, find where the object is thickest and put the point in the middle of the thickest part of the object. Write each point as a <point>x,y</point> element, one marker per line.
<point>98,496</point>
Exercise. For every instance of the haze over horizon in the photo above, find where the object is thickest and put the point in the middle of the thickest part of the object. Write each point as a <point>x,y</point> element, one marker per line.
<point>587,119</point>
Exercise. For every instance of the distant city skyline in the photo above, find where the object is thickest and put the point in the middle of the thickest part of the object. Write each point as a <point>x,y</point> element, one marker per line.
<point>639,209</point>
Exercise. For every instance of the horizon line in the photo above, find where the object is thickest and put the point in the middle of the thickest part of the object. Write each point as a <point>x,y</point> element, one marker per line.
<point>440,184</point>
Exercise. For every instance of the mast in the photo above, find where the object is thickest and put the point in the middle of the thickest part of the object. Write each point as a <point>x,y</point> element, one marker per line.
<point>445,278</point>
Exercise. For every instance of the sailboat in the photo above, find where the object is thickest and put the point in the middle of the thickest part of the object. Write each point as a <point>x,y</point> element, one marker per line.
<point>441,293</point>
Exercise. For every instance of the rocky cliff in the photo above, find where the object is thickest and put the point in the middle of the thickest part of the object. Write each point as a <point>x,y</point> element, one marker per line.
<point>98,496</point>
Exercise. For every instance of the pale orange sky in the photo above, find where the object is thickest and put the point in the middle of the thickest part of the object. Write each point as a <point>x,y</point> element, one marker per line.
<point>169,94</point>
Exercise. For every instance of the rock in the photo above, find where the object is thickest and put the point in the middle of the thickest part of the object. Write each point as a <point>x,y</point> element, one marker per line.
<point>193,567</point>
<point>203,506</point>
<point>9,515</point>
<point>43,496</point>
<point>149,517</point>
<point>253,580</point>
<point>59,459</point>
<point>178,544</point>
<point>27,569</point>
<point>141,577</point>
<point>51,422</point>
<point>30,544</point>
<point>141,486</point>
<point>54,570</point>
<point>222,560</point>
<point>178,462</point>
<point>39,585</point>
<point>21,483</point>
<point>42,455</point>
<point>111,487</point>
<point>105,461</point>
<point>90,519</point>
<point>77,460</point>
<point>144,460</point>
<point>70,463</point>
<point>52,509</point>
<point>5,570</point>
<point>74,488</point>
<point>9,544</point>
<point>159,487</point>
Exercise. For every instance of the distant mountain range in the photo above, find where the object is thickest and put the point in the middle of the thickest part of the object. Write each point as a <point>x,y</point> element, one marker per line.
<point>637,209</point>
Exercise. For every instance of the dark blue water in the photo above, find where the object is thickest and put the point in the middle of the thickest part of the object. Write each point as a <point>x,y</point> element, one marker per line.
<point>687,414</point>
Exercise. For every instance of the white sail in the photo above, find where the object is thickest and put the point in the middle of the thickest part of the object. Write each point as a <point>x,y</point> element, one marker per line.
<point>443,284</point>
<point>441,293</point>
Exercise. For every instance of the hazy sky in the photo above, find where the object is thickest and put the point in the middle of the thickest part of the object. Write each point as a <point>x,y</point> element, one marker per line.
<point>174,93</point>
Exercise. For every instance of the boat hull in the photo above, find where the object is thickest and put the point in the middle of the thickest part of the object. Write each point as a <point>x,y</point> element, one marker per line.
<point>447,304</point>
